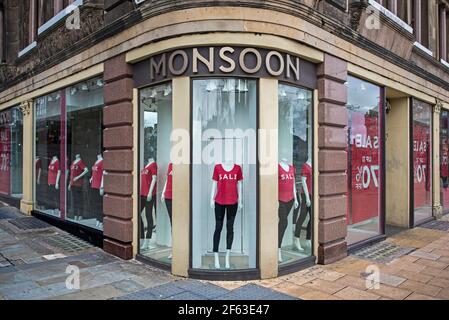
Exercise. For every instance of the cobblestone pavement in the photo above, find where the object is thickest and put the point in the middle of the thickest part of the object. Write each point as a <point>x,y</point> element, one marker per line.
<point>413,264</point>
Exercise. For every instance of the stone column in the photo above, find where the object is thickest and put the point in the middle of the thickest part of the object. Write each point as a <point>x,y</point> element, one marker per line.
<point>437,207</point>
<point>118,157</point>
<point>332,160</point>
<point>26,204</point>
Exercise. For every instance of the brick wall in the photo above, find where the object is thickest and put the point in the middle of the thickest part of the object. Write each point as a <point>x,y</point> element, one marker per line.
<point>332,159</point>
<point>118,157</point>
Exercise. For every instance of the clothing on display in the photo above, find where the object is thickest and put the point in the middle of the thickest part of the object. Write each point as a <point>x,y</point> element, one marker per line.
<point>284,210</point>
<point>168,204</point>
<point>304,213</point>
<point>53,169</point>
<point>286,183</point>
<point>227,193</point>
<point>306,172</point>
<point>148,206</point>
<point>76,169</point>
<point>96,204</point>
<point>97,174</point>
<point>77,200</point>
<point>169,187</point>
<point>146,176</point>
<point>230,211</point>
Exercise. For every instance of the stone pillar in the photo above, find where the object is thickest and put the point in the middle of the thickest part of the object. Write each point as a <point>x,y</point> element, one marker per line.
<point>118,157</point>
<point>332,160</point>
<point>26,204</point>
<point>437,207</point>
<point>268,178</point>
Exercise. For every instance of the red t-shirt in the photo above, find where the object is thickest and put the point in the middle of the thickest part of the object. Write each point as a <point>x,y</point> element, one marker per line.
<point>146,176</point>
<point>53,169</point>
<point>75,170</point>
<point>306,172</point>
<point>227,192</point>
<point>169,187</point>
<point>286,183</point>
<point>97,175</point>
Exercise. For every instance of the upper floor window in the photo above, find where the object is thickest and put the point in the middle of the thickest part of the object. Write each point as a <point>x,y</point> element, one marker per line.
<point>2,34</point>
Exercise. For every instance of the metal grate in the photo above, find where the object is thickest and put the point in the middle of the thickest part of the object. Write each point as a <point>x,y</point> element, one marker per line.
<point>383,252</point>
<point>29,223</point>
<point>67,243</point>
<point>436,225</point>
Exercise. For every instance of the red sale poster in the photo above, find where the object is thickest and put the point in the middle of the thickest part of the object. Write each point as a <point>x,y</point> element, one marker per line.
<point>5,158</point>
<point>421,164</point>
<point>365,167</point>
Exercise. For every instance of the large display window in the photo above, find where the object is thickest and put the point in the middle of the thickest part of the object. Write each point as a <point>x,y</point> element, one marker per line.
<point>68,154</point>
<point>11,153</point>
<point>444,160</point>
<point>422,161</point>
<point>156,176</point>
<point>295,174</point>
<point>365,114</point>
<point>224,183</point>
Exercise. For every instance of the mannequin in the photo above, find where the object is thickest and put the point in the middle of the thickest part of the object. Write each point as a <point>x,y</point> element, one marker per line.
<point>167,193</point>
<point>54,175</point>
<point>148,178</point>
<point>78,170</point>
<point>226,199</point>
<point>287,198</point>
<point>306,204</point>
<point>97,191</point>
<point>38,169</point>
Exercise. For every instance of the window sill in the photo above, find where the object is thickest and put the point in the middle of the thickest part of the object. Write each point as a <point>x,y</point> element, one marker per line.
<point>445,63</point>
<point>391,16</point>
<point>27,49</point>
<point>58,17</point>
<point>423,48</point>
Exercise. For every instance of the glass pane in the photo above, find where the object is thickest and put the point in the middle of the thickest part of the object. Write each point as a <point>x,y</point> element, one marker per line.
<point>11,156</point>
<point>224,174</point>
<point>422,160</point>
<point>295,174</point>
<point>84,105</point>
<point>48,165</point>
<point>444,157</point>
<point>364,160</point>
<point>156,173</point>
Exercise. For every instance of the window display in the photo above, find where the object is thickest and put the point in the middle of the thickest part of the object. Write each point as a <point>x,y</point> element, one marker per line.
<point>68,157</point>
<point>156,177</point>
<point>444,159</point>
<point>422,161</point>
<point>11,152</point>
<point>224,215</point>
<point>364,160</point>
<point>295,176</point>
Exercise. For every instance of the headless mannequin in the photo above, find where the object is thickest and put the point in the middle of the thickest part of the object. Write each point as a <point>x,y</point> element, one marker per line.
<point>227,166</point>
<point>286,166</point>
<point>308,203</point>
<point>58,176</point>
<point>39,171</point>
<point>163,200</point>
<point>82,174</point>
<point>146,242</point>
<point>98,223</point>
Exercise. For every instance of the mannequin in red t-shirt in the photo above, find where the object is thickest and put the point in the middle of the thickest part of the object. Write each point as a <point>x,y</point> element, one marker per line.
<point>78,171</point>
<point>226,199</point>
<point>97,191</point>
<point>38,169</point>
<point>306,205</point>
<point>148,178</point>
<point>167,193</point>
<point>287,198</point>
<point>54,175</point>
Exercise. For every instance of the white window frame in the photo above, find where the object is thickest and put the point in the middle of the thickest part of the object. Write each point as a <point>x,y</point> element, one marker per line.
<point>59,16</point>
<point>391,15</point>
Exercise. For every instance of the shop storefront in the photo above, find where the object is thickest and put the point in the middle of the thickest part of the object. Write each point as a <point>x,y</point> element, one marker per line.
<point>11,155</point>
<point>444,160</point>
<point>225,162</point>
<point>68,161</point>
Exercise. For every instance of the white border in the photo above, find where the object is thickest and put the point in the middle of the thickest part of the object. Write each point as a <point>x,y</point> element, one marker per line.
<point>444,62</point>
<point>28,48</point>
<point>391,15</point>
<point>59,16</point>
<point>422,48</point>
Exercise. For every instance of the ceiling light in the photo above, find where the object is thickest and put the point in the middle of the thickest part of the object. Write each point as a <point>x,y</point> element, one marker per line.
<point>100,83</point>
<point>167,90</point>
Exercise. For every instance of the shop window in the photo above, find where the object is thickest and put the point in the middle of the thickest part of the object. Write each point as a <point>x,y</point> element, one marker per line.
<point>11,153</point>
<point>156,175</point>
<point>364,209</point>
<point>2,35</point>
<point>422,161</point>
<point>68,154</point>
<point>295,174</point>
<point>224,184</point>
<point>444,160</point>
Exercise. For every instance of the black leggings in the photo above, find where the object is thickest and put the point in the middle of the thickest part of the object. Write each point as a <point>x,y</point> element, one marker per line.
<point>77,201</point>
<point>220,211</point>
<point>148,206</point>
<point>305,211</point>
<point>284,211</point>
<point>168,203</point>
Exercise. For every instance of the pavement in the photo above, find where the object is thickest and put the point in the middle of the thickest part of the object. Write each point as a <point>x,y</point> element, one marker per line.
<point>36,261</point>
